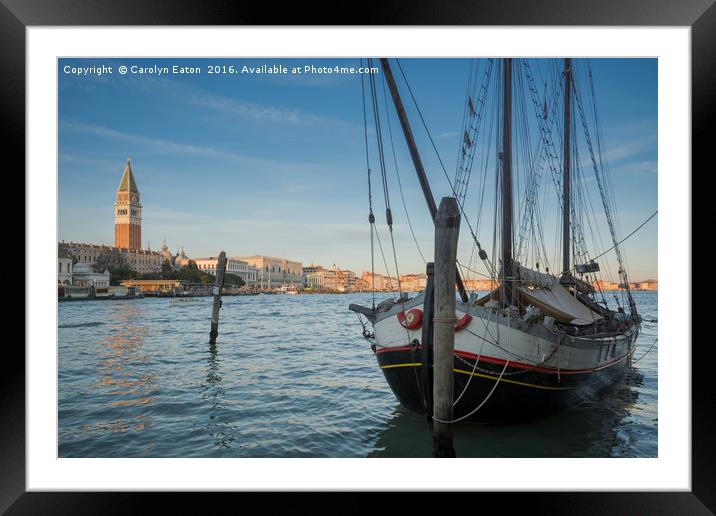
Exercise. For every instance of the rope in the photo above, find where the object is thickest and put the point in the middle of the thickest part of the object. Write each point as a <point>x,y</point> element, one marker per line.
<point>499,379</point>
<point>442,165</point>
<point>630,234</point>
<point>371,216</point>
<point>397,174</point>
<point>647,351</point>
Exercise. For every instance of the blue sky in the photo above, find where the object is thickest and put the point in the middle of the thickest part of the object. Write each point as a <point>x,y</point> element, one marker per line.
<point>275,164</point>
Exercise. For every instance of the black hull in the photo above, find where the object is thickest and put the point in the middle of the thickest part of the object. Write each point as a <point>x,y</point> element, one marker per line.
<point>521,395</point>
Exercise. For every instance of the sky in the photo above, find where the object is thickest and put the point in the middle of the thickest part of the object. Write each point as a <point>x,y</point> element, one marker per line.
<point>275,164</point>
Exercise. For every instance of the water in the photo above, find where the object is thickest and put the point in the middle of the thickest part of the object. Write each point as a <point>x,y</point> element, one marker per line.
<point>290,376</point>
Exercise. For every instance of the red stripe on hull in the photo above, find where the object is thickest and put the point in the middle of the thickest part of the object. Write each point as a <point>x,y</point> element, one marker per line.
<point>517,365</point>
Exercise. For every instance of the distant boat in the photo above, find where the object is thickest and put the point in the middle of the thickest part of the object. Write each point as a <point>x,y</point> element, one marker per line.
<point>538,342</point>
<point>187,301</point>
<point>286,289</point>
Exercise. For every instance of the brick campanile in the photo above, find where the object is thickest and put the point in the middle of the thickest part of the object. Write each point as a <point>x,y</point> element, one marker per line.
<point>128,212</point>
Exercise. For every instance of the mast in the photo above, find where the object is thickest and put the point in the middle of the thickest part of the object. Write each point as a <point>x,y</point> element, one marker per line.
<point>507,177</point>
<point>415,155</point>
<point>566,178</point>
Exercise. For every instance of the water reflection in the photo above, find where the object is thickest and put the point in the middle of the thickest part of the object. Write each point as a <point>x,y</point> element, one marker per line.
<point>212,391</point>
<point>592,429</point>
<point>126,387</point>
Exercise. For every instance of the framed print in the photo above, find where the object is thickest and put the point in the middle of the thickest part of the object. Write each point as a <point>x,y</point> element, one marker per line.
<point>242,222</point>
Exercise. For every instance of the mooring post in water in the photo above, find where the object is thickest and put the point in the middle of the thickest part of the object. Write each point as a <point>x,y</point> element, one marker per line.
<point>447,229</point>
<point>427,343</point>
<point>220,270</point>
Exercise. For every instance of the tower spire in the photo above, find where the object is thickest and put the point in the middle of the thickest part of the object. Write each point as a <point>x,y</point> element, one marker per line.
<point>127,211</point>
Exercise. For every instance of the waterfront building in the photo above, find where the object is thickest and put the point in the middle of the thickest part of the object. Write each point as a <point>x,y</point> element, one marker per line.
<point>84,275</point>
<point>141,260</point>
<point>157,286</point>
<point>317,277</point>
<point>348,279</point>
<point>127,212</point>
<point>314,277</point>
<point>379,282</point>
<point>64,269</point>
<point>605,285</point>
<point>274,272</point>
<point>361,285</point>
<point>234,265</point>
<point>480,285</point>
<point>645,285</point>
<point>413,282</point>
<point>127,235</point>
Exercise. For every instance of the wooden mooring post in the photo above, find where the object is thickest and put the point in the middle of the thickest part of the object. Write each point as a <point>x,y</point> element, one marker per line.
<point>426,349</point>
<point>220,270</point>
<point>447,230</point>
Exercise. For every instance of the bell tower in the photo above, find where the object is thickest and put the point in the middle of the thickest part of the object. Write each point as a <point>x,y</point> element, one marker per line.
<point>127,212</point>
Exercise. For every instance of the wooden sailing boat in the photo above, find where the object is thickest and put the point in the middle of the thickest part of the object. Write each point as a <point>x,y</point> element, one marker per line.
<point>538,342</point>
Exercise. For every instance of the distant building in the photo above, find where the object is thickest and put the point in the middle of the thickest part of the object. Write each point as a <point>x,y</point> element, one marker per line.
<point>167,255</point>
<point>140,260</point>
<point>234,266</point>
<point>64,268</point>
<point>605,285</point>
<point>127,212</point>
<point>638,285</point>
<point>274,272</point>
<point>349,279</point>
<point>317,277</point>
<point>127,247</point>
<point>413,282</point>
<point>645,285</point>
<point>314,277</point>
<point>84,275</point>
<point>379,282</point>
<point>157,286</point>
<point>361,285</point>
<point>480,285</point>
<point>181,259</point>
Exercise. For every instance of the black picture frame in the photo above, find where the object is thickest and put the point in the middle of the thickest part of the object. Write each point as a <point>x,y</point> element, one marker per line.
<point>700,15</point>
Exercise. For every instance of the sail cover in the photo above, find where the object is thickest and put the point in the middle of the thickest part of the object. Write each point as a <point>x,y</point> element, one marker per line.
<point>545,291</point>
<point>560,304</point>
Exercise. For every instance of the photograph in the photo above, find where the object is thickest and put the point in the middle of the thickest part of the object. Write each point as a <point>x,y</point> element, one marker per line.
<point>358,257</point>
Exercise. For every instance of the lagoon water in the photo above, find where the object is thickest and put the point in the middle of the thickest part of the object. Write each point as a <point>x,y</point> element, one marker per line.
<point>291,376</point>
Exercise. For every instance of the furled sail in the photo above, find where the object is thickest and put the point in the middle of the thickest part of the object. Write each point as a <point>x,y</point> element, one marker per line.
<point>545,292</point>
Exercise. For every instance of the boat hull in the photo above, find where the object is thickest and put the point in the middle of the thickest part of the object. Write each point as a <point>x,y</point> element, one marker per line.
<point>513,369</point>
<point>521,394</point>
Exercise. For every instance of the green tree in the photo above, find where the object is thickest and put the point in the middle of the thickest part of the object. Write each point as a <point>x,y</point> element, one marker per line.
<point>233,279</point>
<point>116,275</point>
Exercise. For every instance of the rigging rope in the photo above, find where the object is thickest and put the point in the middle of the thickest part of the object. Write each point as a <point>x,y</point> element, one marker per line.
<point>630,234</point>
<point>397,173</point>
<point>371,216</point>
<point>483,254</point>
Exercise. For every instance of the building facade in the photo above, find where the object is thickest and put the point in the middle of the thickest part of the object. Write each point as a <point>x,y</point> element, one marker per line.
<point>314,277</point>
<point>140,260</point>
<point>413,282</point>
<point>317,277</point>
<point>127,212</point>
<point>480,285</point>
<point>234,265</point>
<point>274,272</point>
<point>379,282</point>
<point>64,271</point>
<point>64,268</point>
<point>83,275</point>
